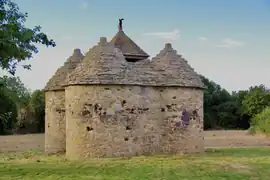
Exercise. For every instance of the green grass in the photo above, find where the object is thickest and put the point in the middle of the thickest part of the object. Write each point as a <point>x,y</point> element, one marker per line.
<point>214,164</point>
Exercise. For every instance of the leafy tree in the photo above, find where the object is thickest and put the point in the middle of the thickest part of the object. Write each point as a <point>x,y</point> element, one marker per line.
<point>8,110</point>
<point>37,104</point>
<point>257,99</point>
<point>243,120</point>
<point>17,42</point>
<point>261,122</point>
<point>20,93</point>
<point>215,111</point>
<point>14,97</point>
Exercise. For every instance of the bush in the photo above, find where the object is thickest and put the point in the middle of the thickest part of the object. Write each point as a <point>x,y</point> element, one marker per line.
<point>260,123</point>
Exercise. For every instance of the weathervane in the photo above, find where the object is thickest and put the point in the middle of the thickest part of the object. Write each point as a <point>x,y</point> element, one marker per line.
<point>120,26</point>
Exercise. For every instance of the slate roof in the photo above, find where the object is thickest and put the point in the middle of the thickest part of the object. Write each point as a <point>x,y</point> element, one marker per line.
<point>106,64</point>
<point>58,79</point>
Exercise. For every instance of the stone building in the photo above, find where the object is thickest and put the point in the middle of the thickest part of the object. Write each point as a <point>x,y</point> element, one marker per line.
<point>55,123</point>
<point>117,102</point>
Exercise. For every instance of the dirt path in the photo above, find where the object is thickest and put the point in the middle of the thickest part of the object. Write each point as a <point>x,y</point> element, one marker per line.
<point>212,139</point>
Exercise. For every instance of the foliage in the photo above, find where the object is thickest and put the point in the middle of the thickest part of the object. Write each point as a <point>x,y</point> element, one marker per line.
<point>8,108</point>
<point>17,42</point>
<point>37,104</point>
<point>256,100</point>
<point>19,91</point>
<point>32,116</point>
<point>261,122</point>
<point>221,110</point>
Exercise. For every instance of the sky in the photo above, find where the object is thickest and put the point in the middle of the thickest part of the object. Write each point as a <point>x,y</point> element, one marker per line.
<point>227,41</point>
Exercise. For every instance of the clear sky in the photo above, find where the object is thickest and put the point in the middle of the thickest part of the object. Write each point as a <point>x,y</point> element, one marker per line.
<point>227,41</point>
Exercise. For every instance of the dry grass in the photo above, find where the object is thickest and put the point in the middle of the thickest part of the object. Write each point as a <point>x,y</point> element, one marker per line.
<point>212,139</point>
<point>215,164</point>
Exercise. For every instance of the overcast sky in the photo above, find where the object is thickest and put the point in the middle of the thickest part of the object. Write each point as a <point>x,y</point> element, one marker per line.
<point>227,41</point>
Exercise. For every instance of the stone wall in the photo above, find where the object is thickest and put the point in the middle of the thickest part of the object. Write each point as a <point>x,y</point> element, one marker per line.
<point>115,120</point>
<point>55,125</point>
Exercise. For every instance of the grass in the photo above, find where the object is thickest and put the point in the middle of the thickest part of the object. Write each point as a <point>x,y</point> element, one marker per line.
<point>214,164</point>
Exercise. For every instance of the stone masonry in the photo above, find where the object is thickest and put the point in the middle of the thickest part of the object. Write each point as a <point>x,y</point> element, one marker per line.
<point>55,122</point>
<point>117,102</point>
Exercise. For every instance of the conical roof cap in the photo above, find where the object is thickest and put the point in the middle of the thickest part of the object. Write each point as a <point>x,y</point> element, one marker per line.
<point>171,69</point>
<point>57,81</point>
<point>128,47</point>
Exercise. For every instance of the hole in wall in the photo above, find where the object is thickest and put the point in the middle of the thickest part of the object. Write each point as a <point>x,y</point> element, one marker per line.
<point>123,102</point>
<point>96,107</point>
<point>162,109</point>
<point>106,88</point>
<point>126,139</point>
<point>85,112</point>
<point>89,128</point>
<point>128,128</point>
<point>133,60</point>
<point>174,97</point>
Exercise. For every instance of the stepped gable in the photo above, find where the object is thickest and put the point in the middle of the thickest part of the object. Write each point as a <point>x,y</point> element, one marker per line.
<point>58,79</point>
<point>103,64</point>
<point>174,70</point>
<point>166,69</point>
<point>129,48</point>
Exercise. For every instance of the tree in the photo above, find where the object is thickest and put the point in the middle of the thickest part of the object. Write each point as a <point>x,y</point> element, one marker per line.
<point>20,92</point>
<point>217,109</point>
<point>257,99</point>
<point>37,104</point>
<point>261,122</point>
<point>8,110</point>
<point>17,42</point>
<point>14,96</point>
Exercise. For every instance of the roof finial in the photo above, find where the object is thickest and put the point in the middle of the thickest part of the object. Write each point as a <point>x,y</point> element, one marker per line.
<point>120,26</point>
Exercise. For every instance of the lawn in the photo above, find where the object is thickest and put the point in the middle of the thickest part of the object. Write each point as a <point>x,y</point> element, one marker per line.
<point>214,164</point>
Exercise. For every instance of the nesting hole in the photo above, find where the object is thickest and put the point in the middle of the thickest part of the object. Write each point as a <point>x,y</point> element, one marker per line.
<point>89,128</point>
<point>128,128</point>
<point>106,88</point>
<point>162,109</point>
<point>123,102</point>
<point>174,97</point>
<point>126,139</point>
